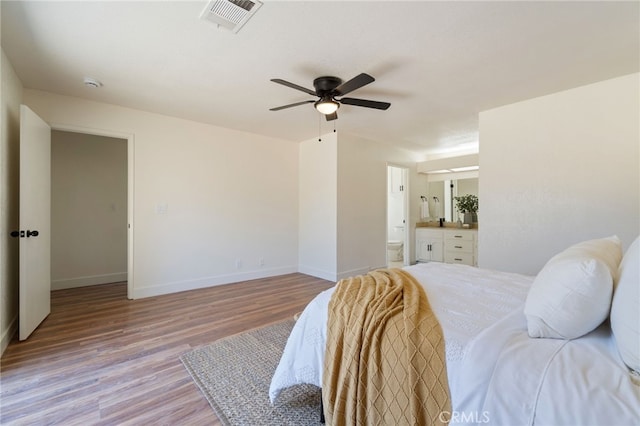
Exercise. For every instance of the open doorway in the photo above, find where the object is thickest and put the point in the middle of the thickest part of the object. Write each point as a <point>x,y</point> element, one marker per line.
<point>90,209</point>
<point>397,208</point>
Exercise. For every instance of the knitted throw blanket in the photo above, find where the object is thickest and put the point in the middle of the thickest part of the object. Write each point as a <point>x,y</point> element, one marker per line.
<point>385,360</point>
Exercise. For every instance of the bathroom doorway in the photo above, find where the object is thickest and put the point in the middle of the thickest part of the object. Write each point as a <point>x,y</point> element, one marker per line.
<point>397,208</point>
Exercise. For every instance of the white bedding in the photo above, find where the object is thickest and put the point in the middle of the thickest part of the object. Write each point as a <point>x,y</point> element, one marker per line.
<point>497,373</point>
<point>466,300</point>
<point>507,378</point>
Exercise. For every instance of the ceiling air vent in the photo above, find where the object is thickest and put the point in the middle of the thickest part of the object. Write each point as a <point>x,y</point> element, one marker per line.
<point>230,14</point>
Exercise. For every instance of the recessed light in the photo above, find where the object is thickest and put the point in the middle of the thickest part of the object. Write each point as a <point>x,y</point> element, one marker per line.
<point>92,82</point>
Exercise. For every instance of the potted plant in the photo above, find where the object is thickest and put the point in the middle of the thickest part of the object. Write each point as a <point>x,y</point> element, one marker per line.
<point>468,205</point>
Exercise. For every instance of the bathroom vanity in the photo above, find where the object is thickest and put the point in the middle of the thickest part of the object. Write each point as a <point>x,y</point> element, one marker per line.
<point>449,245</point>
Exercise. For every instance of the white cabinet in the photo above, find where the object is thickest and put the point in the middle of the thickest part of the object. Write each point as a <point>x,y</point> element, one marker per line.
<point>396,180</point>
<point>429,245</point>
<point>446,245</point>
<point>460,247</point>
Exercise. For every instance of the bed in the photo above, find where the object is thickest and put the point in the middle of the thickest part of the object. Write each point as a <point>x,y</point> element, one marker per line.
<point>516,347</point>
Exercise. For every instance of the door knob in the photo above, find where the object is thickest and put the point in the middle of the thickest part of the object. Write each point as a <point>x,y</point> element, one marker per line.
<point>22,234</point>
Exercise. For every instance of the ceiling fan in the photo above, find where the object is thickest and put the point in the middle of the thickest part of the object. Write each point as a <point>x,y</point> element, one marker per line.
<point>327,89</point>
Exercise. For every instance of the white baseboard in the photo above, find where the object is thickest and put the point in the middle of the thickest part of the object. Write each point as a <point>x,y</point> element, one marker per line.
<point>353,272</point>
<point>175,287</point>
<point>333,276</point>
<point>319,273</point>
<point>90,280</point>
<point>8,334</point>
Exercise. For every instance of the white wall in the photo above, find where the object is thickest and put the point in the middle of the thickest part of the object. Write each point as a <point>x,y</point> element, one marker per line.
<point>343,204</point>
<point>88,210</point>
<point>362,206</point>
<point>11,97</point>
<point>362,202</point>
<point>318,188</point>
<point>231,197</point>
<point>395,204</point>
<point>557,170</point>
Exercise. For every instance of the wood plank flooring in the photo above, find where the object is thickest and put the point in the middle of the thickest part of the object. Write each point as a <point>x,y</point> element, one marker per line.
<point>100,359</point>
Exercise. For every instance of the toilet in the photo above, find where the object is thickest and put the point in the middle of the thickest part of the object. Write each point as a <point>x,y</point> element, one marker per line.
<point>395,245</point>
<point>394,251</point>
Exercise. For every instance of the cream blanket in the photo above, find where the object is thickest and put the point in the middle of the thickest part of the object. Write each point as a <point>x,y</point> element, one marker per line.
<point>385,360</point>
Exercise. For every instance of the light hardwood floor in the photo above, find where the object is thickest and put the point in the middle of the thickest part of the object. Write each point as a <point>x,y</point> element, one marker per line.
<point>100,359</point>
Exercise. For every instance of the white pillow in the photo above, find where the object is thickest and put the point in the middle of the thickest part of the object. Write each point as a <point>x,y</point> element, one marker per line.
<point>625,309</point>
<point>571,295</point>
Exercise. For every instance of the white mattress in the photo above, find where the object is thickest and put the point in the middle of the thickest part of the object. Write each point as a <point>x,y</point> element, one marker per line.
<point>466,301</point>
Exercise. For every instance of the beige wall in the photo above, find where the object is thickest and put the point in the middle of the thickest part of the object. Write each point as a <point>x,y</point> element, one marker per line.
<point>343,204</point>
<point>362,202</point>
<point>559,169</point>
<point>11,97</point>
<point>209,203</point>
<point>318,213</point>
<point>88,209</point>
<point>467,186</point>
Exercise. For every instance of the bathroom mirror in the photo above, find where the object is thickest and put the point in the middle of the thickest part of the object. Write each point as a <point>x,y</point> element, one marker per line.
<point>444,191</point>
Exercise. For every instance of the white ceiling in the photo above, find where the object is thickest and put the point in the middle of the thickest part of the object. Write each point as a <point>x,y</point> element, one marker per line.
<point>438,63</point>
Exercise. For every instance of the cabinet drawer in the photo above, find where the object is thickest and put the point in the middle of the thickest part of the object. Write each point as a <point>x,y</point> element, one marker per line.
<point>463,258</point>
<point>429,232</point>
<point>460,236</point>
<point>459,246</point>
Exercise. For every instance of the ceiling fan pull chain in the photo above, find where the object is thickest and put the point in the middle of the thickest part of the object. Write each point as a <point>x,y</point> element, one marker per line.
<point>319,129</point>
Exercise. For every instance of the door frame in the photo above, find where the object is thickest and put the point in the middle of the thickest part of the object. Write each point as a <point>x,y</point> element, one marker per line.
<point>406,212</point>
<point>129,137</point>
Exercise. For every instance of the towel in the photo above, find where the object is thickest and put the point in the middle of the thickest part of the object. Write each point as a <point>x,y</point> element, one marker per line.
<point>424,210</point>
<point>437,207</point>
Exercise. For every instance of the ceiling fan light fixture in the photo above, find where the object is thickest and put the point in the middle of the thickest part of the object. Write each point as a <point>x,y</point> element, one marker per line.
<point>327,106</point>
<point>92,83</point>
<point>327,88</point>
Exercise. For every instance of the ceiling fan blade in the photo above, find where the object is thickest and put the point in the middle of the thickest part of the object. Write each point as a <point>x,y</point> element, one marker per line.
<point>294,86</point>
<point>365,103</point>
<point>291,105</point>
<point>333,116</point>
<point>353,84</point>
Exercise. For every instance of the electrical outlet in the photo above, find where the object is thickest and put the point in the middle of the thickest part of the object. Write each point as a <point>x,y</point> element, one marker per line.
<point>238,263</point>
<point>162,208</point>
<point>261,261</point>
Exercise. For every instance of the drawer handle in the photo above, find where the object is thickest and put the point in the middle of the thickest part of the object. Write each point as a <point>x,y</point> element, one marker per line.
<point>459,260</point>
<point>457,236</point>
<point>458,246</point>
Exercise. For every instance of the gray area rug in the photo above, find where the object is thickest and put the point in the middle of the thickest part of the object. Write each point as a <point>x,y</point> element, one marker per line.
<point>234,374</point>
